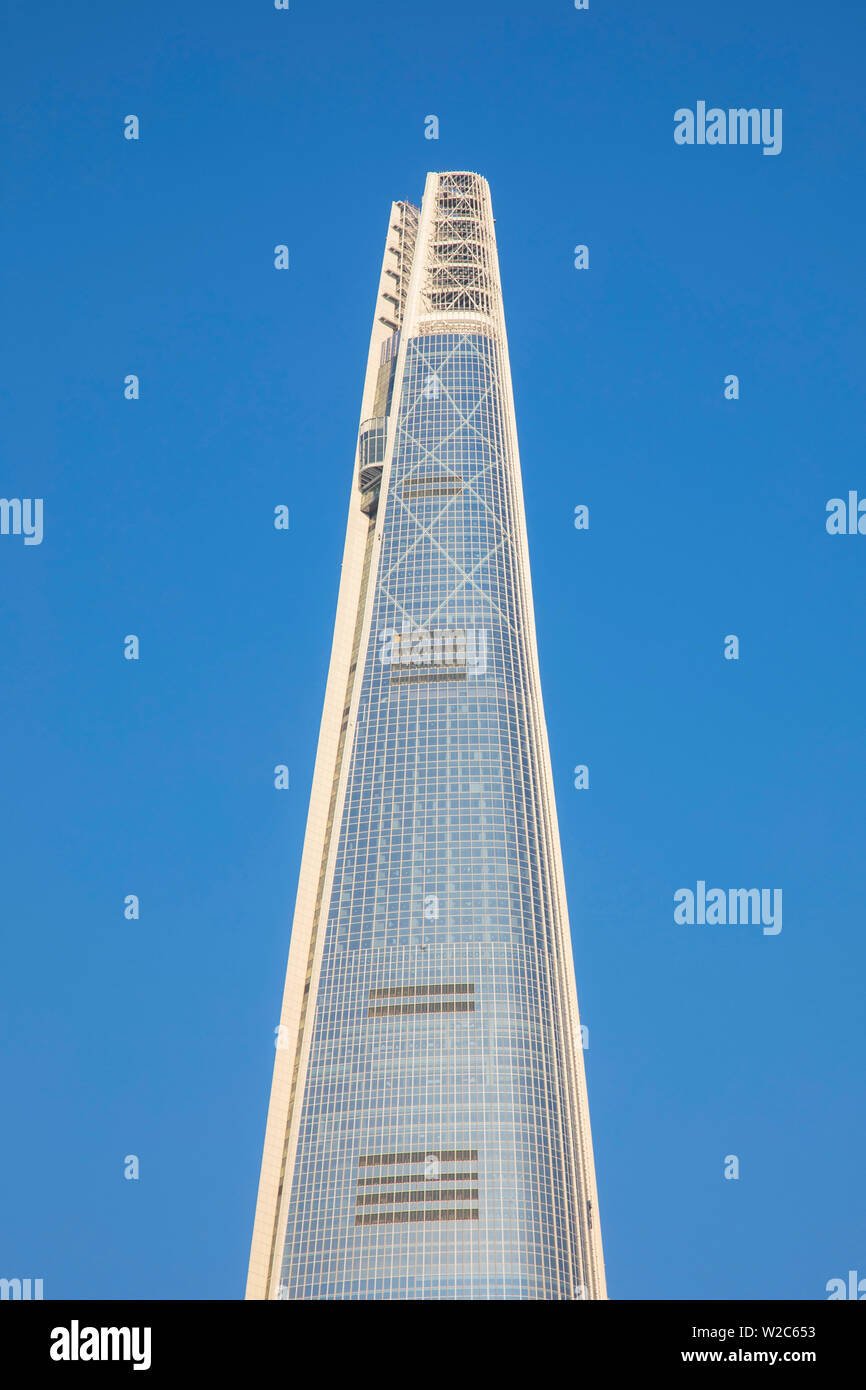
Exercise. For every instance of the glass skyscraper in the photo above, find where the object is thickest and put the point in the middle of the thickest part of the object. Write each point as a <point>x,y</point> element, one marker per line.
<point>428,1134</point>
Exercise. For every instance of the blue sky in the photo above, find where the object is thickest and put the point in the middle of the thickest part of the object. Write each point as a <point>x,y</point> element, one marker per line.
<point>707,518</point>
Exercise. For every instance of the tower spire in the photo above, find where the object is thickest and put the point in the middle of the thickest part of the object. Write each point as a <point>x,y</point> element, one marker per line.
<point>428,1134</point>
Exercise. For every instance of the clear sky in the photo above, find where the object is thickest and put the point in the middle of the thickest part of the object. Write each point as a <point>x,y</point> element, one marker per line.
<point>707,518</point>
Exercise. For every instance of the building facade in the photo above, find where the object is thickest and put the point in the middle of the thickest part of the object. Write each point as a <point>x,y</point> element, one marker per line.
<point>428,1133</point>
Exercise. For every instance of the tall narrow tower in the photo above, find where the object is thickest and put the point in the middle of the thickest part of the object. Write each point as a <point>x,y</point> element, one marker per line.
<point>428,1133</point>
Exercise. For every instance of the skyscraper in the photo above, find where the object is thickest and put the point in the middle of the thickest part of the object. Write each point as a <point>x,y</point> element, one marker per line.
<point>428,1133</point>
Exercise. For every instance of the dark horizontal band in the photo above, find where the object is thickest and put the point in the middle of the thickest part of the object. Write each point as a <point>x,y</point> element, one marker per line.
<point>460,1006</point>
<point>416,1177</point>
<point>410,677</point>
<point>418,1156</point>
<point>418,1194</point>
<point>403,991</point>
<point>388,1218</point>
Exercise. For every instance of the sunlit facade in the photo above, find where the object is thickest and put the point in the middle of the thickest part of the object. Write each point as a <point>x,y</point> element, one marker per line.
<point>428,1134</point>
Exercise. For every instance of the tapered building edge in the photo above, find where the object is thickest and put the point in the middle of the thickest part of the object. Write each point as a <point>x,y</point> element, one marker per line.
<point>291,1054</point>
